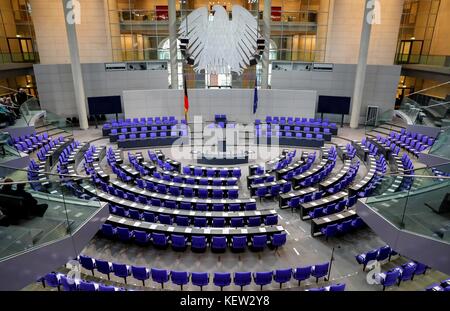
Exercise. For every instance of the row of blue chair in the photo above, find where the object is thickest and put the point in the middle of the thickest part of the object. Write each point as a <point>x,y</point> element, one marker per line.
<point>211,172</point>
<point>168,120</point>
<point>300,169</point>
<point>405,272</point>
<point>29,143</point>
<point>216,181</point>
<point>298,121</point>
<point>289,134</point>
<point>348,178</point>
<point>134,136</point>
<point>444,286</point>
<point>342,227</point>
<point>57,280</point>
<point>188,192</point>
<point>200,222</point>
<point>377,254</point>
<point>201,279</point>
<point>232,206</point>
<point>197,243</point>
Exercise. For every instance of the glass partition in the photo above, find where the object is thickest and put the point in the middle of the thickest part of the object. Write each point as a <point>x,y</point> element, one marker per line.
<point>31,218</point>
<point>423,209</point>
<point>7,151</point>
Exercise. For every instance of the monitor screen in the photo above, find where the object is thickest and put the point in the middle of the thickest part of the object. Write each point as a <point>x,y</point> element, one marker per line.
<point>334,104</point>
<point>104,105</point>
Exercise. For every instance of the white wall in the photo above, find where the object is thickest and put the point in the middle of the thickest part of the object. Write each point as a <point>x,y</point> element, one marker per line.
<point>345,32</point>
<point>237,104</point>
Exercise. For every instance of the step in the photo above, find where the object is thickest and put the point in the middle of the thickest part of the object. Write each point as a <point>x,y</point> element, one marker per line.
<point>395,125</point>
<point>385,132</point>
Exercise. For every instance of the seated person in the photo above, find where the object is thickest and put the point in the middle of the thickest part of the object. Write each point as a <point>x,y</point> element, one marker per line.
<point>31,203</point>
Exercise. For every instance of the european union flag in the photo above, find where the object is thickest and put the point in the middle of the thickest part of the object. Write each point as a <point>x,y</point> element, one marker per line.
<point>255,98</point>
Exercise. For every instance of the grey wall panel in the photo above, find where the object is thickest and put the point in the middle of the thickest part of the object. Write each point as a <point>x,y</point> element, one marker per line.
<point>237,104</point>
<point>379,90</point>
<point>56,91</point>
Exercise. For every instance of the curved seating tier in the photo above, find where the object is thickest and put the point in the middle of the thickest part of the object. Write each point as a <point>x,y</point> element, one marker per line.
<point>128,123</point>
<point>30,143</point>
<point>180,236</point>
<point>220,279</point>
<point>157,199</point>
<point>210,171</point>
<point>191,179</point>
<point>187,190</point>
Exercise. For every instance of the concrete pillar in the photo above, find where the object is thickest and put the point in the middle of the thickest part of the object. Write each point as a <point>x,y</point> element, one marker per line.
<point>267,19</point>
<point>173,44</point>
<point>70,18</point>
<point>362,64</point>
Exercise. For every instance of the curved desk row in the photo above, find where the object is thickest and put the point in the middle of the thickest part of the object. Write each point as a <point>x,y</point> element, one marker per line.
<point>190,231</point>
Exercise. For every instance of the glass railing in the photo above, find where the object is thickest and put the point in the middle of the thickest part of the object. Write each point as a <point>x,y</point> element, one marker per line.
<point>31,218</point>
<point>7,151</point>
<point>441,146</point>
<point>430,60</point>
<point>422,209</point>
<point>45,121</point>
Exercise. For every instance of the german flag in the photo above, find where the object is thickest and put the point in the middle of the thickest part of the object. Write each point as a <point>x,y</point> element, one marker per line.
<point>186,98</point>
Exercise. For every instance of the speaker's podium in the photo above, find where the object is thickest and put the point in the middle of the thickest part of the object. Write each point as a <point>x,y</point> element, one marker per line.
<point>220,156</point>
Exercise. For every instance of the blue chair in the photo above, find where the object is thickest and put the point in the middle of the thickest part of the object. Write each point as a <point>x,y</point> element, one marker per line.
<point>179,242</point>
<point>282,276</point>
<point>237,222</point>
<point>141,237</point>
<point>218,207</point>
<point>179,278</point>
<point>203,193</point>
<point>52,280</point>
<point>121,271</point>
<point>330,231</point>
<point>278,239</point>
<point>302,273</point>
<point>242,279</point>
<point>222,279</point>
<point>188,192</point>
<point>198,243</point>
<point>259,242</point>
<point>407,273</point>
<point>420,269</point>
<point>364,259</point>
<point>218,222</point>
<point>262,278</point>
<point>389,278</point>
<point>140,273</point>
<point>149,216</point>
<point>384,253</point>
<point>104,267</point>
<point>340,287</point>
<point>294,203</point>
<point>261,192</point>
<point>250,206</point>
<point>87,263</point>
<point>233,194</point>
<point>160,240</point>
<point>234,207</point>
<point>319,271</point>
<point>124,234</point>
<point>185,206</point>
<point>160,276</point>
<point>200,279</point>
<point>254,221</point>
<point>165,219</point>
<point>86,286</point>
<point>238,243</point>
<point>108,231</point>
<point>106,288</point>
<point>218,243</point>
<point>345,226</point>
<point>68,284</point>
<point>182,221</point>
<point>200,222</point>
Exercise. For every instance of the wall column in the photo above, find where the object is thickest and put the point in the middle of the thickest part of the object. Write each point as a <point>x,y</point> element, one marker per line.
<point>80,98</point>
<point>173,44</point>
<point>360,78</point>
<point>266,35</point>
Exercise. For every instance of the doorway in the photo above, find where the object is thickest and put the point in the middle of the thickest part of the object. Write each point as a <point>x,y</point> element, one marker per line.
<point>409,51</point>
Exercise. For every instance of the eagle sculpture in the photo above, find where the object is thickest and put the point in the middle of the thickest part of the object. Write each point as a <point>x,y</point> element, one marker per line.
<point>218,44</point>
